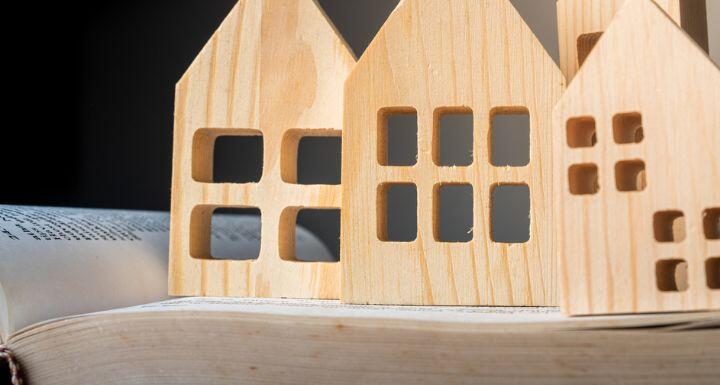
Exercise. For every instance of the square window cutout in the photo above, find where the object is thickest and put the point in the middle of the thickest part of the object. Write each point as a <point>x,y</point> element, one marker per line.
<point>585,43</point>
<point>628,128</point>
<point>398,137</point>
<point>711,223</point>
<point>397,212</point>
<point>669,226</point>
<point>227,156</point>
<point>712,271</point>
<point>630,175</point>
<point>453,219</point>
<point>311,156</point>
<point>235,234</point>
<point>581,132</point>
<point>453,142</point>
<point>583,179</point>
<point>672,275</point>
<point>510,137</point>
<point>510,213</point>
<point>310,234</point>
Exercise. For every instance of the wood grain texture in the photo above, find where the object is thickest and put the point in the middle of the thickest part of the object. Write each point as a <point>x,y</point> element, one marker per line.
<point>430,56</point>
<point>618,249</point>
<point>272,67</point>
<point>576,18</point>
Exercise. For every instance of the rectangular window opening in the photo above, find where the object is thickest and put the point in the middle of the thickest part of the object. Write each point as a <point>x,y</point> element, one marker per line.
<point>669,226</point>
<point>712,271</point>
<point>310,234</point>
<point>581,132</point>
<point>583,179</point>
<point>398,136</point>
<point>585,44</point>
<point>227,156</point>
<point>311,156</point>
<point>453,141</point>
<point>510,213</point>
<point>672,275</point>
<point>453,219</point>
<point>235,233</point>
<point>628,128</point>
<point>397,212</point>
<point>630,175</point>
<point>510,137</point>
<point>711,223</point>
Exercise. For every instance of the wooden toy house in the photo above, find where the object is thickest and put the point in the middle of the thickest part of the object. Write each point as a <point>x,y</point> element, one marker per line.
<point>273,73</point>
<point>431,59</point>
<point>637,168</point>
<point>581,23</point>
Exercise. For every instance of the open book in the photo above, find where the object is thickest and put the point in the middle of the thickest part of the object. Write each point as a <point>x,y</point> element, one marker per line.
<point>250,341</point>
<point>47,284</point>
<point>56,262</point>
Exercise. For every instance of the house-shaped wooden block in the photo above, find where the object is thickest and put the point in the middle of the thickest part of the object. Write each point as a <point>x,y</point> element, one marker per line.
<point>637,147</point>
<point>432,63</point>
<point>272,74</point>
<point>581,22</point>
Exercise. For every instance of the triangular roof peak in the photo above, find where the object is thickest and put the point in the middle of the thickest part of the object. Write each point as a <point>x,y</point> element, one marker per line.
<point>643,38</point>
<point>415,19</point>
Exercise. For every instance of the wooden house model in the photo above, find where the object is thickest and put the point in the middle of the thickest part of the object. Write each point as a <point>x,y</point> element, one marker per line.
<point>637,168</point>
<point>433,59</point>
<point>273,72</point>
<point>581,23</point>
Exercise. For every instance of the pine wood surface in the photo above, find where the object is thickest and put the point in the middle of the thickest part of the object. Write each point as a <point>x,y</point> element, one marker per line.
<point>276,69</point>
<point>650,250</point>
<point>434,56</point>
<point>577,18</point>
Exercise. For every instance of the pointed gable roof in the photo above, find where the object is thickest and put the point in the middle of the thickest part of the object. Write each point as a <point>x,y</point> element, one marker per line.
<point>644,43</point>
<point>459,39</point>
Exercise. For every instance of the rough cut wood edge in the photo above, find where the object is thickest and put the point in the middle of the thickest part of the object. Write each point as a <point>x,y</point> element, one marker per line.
<point>431,55</point>
<point>579,17</point>
<point>272,66</point>
<point>607,245</point>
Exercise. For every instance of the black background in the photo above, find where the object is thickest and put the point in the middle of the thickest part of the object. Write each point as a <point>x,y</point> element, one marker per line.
<point>92,88</point>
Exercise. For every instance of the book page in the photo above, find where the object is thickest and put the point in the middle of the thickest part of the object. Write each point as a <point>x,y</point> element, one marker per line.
<point>508,318</point>
<point>56,262</point>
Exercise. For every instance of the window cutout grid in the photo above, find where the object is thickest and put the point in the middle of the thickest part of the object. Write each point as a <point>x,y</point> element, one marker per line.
<point>510,213</point>
<point>585,43</point>
<point>583,179</point>
<point>671,275</point>
<point>630,175</point>
<point>397,140</point>
<point>509,137</point>
<point>453,136</point>
<point>309,234</point>
<point>227,156</point>
<point>453,212</point>
<point>581,132</point>
<point>225,233</point>
<point>311,156</point>
<point>712,273</point>
<point>711,223</point>
<point>669,226</point>
<point>628,128</point>
<point>397,212</point>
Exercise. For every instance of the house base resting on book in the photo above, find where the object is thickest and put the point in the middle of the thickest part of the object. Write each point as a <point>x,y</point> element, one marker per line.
<point>622,184</point>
